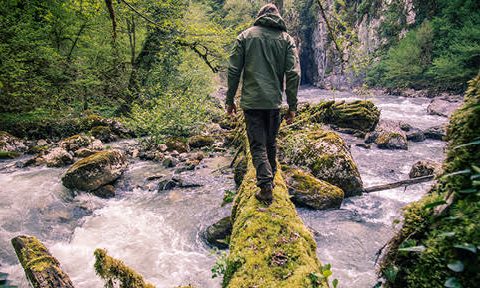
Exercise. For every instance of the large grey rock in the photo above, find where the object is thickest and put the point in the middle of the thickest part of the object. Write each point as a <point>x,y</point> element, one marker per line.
<point>75,142</point>
<point>218,233</point>
<point>436,132</point>
<point>443,107</point>
<point>388,135</point>
<point>95,171</point>
<point>57,157</point>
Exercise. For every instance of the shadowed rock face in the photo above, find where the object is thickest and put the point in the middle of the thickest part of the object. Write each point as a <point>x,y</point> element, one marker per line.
<point>326,155</point>
<point>95,171</point>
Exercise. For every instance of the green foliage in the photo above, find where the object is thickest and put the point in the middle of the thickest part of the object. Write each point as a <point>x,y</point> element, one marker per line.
<point>228,196</point>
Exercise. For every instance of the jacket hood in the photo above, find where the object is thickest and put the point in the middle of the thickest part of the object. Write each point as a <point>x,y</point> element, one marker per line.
<point>271,21</point>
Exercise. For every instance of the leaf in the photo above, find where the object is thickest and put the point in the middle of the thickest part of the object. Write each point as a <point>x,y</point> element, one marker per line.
<point>327,273</point>
<point>435,204</point>
<point>466,246</point>
<point>327,266</point>
<point>456,266</point>
<point>476,168</point>
<point>453,282</point>
<point>466,171</point>
<point>447,234</point>
<point>477,142</point>
<point>335,283</point>
<point>420,249</point>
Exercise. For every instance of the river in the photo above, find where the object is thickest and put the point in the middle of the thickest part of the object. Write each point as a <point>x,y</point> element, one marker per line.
<point>158,233</point>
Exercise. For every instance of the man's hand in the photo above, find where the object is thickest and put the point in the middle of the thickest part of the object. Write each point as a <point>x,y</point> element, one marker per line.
<point>231,109</point>
<point>290,117</point>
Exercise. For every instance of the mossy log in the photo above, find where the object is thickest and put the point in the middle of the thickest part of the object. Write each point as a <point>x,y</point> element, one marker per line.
<point>114,271</point>
<point>42,269</point>
<point>270,246</point>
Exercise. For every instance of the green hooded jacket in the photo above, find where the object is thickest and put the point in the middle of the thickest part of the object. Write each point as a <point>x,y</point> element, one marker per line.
<point>266,55</point>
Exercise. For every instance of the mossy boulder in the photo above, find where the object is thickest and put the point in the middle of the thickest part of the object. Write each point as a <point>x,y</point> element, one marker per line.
<point>9,154</point>
<point>75,142</point>
<point>96,170</point>
<point>425,168</point>
<point>239,169</point>
<point>308,191</point>
<point>103,133</point>
<point>11,143</point>
<point>326,155</point>
<point>360,115</point>
<point>178,144</point>
<point>200,141</point>
<point>218,234</point>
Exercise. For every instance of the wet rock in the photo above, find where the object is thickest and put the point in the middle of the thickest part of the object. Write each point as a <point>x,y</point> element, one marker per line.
<point>95,171</point>
<point>57,157</point>
<point>9,143</point>
<point>326,155</point>
<point>436,133</point>
<point>103,133</point>
<point>308,191</point>
<point>178,144</point>
<point>364,145</point>
<point>75,142</point>
<point>169,162</point>
<point>107,191</point>
<point>96,145</point>
<point>443,106</point>
<point>84,152</point>
<point>200,141</point>
<point>172,182</point>
<point>425,168</point>
<point>38,149</point>
<point>415,135</point>
<point>218,234</point>
<point>388,135</point>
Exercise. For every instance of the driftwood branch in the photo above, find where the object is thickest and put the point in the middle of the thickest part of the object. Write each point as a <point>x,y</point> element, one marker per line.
<point>42,269</point>
<point>399,184</point>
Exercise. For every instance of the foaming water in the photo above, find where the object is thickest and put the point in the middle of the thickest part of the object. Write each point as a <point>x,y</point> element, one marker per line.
<point>351,237</point>
<point>155,233</point>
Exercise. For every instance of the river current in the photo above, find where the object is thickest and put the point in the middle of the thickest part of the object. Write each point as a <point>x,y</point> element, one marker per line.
<point>159,233</point>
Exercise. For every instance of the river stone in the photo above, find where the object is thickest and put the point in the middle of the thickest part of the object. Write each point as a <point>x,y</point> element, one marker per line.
<point>107,191</point>
<point>415,135</point>
<point>443,107</point>
<point>57,157</point>
<point>388,135</point>
<point>217,234</point>
<point>436,132</point>
<point>75,142</point>
<point>308,191</point>
<point>104,134</point>
<point>200,141</point>
<point>425,168</point>
<point>96,170</point>
<point>9,143</point>
<point>326,155</point>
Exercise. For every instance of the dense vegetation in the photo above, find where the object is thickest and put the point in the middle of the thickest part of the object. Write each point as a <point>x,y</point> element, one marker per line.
<point>442,51</point>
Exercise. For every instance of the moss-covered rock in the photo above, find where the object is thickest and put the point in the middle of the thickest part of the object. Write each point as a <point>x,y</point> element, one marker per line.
<point>75,142</point>
<point>200,141</point>
<point>112,270</point>
<point>103,133</point>
<point>239,169</point>
<point>42,269</point>
<point>11,143</point>
<point>358,115</point>
<point>178,144</point>
<point>270,246</point>
<point>9,154</point>
<point>326,155</point>
<point>425,168</point>
<point>218,234</point>
<point>388,135</point>
<point>95,171</point>
<point>308,191</point>
<point>445,223</point>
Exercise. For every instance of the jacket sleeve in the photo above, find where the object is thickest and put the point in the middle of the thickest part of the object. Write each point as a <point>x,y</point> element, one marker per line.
<point>235,69</point>
<point>292,74</point>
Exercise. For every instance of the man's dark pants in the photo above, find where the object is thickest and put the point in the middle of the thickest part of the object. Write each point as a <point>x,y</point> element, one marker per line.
<point>262,129</point>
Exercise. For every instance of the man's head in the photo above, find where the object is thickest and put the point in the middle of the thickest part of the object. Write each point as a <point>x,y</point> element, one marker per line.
<point>268,9</point>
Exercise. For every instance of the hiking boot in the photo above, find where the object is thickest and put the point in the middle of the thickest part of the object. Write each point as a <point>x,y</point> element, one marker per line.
<point>265,195</point>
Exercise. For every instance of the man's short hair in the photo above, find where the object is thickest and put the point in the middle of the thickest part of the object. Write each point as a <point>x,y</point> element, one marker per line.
<point>270,8</point>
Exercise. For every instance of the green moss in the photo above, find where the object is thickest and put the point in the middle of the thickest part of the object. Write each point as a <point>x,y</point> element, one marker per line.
<point>269,246</point>
<point>442,231</point>
<point>8,154</point>
<point>34,255</point>
<point>113,270</point>
<point>200,141</point>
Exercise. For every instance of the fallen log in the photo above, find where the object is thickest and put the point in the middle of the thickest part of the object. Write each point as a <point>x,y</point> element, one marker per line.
<point>42,269</point>
<point>399,184</point>
<point>270,246</point>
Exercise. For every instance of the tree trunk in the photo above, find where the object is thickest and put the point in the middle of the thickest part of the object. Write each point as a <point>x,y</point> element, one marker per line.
<point>270,246</point>
<point>42,269</point>
<point>399,184</point>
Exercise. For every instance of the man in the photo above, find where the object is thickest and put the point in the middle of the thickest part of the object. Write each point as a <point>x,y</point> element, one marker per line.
<point>267,56</point>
